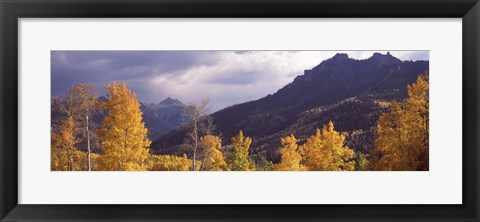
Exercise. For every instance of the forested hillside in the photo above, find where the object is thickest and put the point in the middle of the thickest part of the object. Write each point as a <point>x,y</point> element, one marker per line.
<point>352,93</point>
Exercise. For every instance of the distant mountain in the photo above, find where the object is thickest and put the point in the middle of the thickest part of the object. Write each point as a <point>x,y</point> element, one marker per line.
<point>352,93</point>
<point>171,102</point>
<point>163,117</point>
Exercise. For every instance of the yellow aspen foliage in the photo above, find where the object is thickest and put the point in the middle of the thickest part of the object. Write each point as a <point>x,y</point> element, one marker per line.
<point>389,150</point>
<point>60,160</point>
<point>325,151</point>
<point>93,160</point>
<point>170,163</point>
<point>213,159</point>
<point>65,156</point>
<point>239,160</point>
<point>291,158</point>
<point>402,133</point>
<point>63,147</point>
<point>417,110</point>
<point>125,146</point>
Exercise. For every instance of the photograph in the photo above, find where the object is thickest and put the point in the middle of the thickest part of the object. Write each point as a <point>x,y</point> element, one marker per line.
<point>239,110</point>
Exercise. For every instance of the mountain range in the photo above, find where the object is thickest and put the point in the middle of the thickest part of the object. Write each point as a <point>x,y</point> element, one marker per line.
<point>163,117</point>
<point>352,93</point>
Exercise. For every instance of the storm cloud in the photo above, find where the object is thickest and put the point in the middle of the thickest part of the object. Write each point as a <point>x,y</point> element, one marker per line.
<point>225,77</point>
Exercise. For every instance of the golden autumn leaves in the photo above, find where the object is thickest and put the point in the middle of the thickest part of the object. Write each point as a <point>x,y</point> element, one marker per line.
<point>323,151</point>
<point>213,160</point>
<point>125,145</point>
<point>401,139</point>
<point>64,156</point>
<point>403,132</point>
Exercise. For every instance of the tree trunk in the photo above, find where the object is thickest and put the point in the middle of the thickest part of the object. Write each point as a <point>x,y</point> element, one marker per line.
<point>196,144</point>
<point>88,147</point>
<point>70,161</point>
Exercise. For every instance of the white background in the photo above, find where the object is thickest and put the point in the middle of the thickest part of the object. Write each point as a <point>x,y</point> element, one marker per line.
<point>441,185</point>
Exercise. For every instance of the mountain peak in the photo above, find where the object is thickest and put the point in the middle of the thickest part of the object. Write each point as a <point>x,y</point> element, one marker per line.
<point>380,55</point>
<point>340,56</point>
<point>384,58</point>
<point>171,102</point>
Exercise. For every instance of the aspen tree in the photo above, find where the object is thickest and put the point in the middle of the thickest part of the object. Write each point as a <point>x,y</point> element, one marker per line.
<point>85,99</point>
<point>63,147</point>
<point>197,113</point>
<point>214,160</point>
<point>291,158</point>
<point>125,145</point>
<point>403,132</point>
<point>239,160</point>
<point>326,151</point>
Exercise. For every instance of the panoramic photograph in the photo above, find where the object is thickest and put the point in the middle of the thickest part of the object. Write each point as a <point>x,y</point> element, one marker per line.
<point>242,110</point>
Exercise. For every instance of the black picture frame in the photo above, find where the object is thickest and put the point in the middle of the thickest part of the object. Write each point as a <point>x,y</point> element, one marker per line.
<point>12,10</point>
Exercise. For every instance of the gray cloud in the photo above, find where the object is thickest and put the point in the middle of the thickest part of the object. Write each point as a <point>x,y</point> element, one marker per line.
<point>240,77</point>
<point>226,77</point>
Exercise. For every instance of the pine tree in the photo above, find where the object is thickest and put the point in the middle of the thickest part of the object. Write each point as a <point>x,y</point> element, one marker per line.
<point>213,159</point>
<point>326,151</point>
<point>262,164</point>
<point>361,162</point>
<point>125,145</point>
<point>291,158</point>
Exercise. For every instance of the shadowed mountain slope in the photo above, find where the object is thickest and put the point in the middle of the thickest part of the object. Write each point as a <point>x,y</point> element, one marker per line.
<point>352,93</point>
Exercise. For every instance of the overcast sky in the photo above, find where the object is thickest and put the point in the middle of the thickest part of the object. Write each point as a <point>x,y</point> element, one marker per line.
<point>225,77</point>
